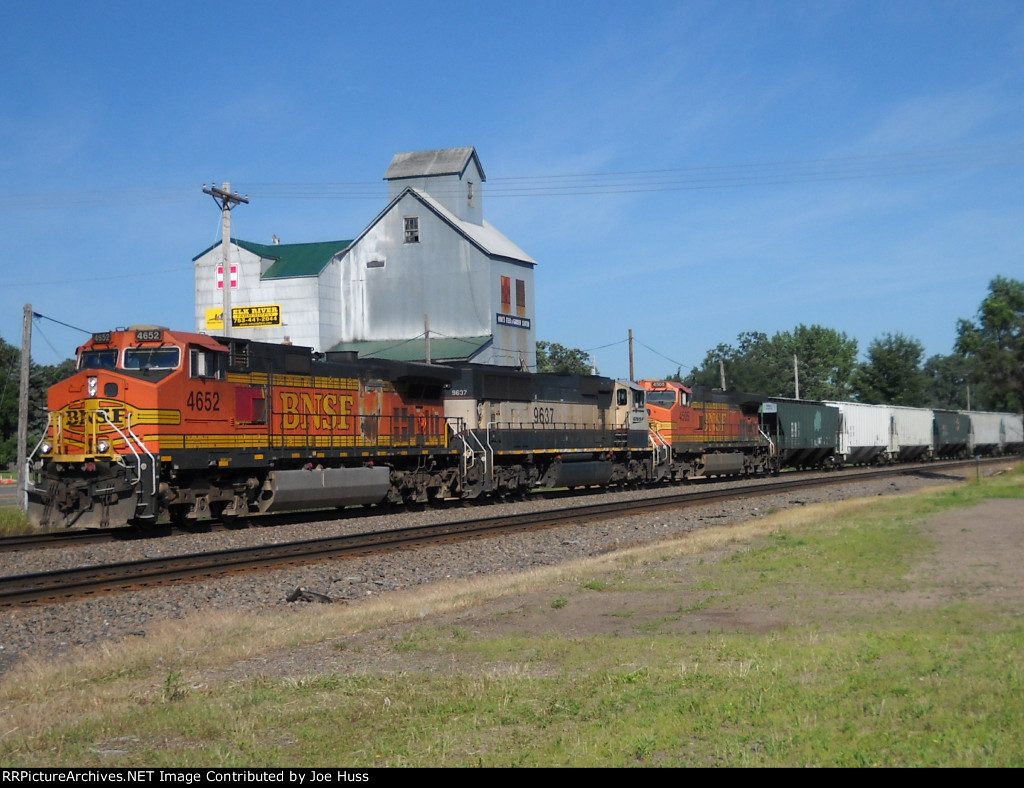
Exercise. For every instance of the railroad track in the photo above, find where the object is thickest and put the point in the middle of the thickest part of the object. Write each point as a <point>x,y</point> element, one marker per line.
<point>74,537</point>
<point>67,584</point>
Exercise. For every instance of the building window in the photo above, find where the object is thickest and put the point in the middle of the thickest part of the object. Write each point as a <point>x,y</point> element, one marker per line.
<point>469,193</point>
<point>412,229</point>
<point>506,295</point>
<point>521,298</point>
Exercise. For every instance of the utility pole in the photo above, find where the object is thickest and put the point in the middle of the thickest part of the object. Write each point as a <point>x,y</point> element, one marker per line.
<point>631,376</point>
<point>226,200</point>
<point>26,361</point>
<point>426,336</point>
<point>721,373</point>
<point>796,375</point>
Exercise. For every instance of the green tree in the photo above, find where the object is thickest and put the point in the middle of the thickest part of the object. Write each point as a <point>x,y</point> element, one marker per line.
<point>754,365</point>
<point>946,381</point>
<point>553,357</point>
<point>40,380</point>
<point>825,359</point>
<point>892,374</point>
<point>996,343</point>
<point>10,375</point>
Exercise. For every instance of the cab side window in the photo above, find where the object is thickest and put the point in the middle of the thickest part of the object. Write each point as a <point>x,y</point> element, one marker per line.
<point>208,364</point>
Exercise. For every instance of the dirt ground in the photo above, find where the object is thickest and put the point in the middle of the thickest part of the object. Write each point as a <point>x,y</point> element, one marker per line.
<point>980,552</point>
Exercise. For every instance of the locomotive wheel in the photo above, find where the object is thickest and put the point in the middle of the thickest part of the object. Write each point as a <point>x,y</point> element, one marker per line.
<point>178,514</point>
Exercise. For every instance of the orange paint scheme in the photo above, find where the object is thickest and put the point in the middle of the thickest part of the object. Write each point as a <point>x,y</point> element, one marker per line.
<point>696,418</point>
<point>163,410</point>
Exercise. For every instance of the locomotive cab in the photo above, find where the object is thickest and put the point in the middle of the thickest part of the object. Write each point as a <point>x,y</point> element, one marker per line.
<point>97,462</point>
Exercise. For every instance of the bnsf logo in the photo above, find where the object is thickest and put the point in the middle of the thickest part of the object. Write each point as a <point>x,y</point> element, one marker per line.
<point>76,417</point>
<point>319,411</point>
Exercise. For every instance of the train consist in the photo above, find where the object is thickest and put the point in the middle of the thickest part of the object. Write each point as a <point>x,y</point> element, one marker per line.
<point>158,424</point>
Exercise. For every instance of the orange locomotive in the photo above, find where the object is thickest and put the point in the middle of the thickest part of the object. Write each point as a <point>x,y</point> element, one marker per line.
<point>157,422</point>
<point>710,432</point>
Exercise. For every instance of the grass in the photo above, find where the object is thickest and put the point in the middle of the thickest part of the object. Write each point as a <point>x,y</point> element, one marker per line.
<point>14,522</point>
<point>846,677</point>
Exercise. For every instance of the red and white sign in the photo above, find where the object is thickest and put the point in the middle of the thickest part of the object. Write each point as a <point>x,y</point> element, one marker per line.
<point>234,277</point>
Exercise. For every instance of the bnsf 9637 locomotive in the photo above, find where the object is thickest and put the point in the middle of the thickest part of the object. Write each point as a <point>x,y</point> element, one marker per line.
<point>157,423</point>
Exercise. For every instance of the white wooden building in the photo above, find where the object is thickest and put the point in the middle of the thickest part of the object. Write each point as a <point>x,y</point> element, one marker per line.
<point>427,263</point>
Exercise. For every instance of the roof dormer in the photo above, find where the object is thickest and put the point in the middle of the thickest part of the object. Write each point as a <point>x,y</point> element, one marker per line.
<point>452,176</point>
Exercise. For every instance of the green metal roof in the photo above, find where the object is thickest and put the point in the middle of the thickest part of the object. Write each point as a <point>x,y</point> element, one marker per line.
<point>290,260</point>
<point>441,348</point>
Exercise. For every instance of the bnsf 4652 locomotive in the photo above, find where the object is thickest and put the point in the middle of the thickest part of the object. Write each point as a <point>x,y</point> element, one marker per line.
<point>161,422</point>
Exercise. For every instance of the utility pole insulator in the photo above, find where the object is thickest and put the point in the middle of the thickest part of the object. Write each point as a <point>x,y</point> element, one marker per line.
<point>226,201</point>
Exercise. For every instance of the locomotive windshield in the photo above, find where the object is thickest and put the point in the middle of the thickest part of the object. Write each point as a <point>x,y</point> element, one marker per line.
<point>152,358</point>
<point>98,359</point>
<point>663,399</point>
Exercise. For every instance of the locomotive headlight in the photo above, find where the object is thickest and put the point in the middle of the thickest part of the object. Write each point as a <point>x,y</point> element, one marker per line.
<point>46,447</point>
<point>94,387</point>
<point>102,445</point>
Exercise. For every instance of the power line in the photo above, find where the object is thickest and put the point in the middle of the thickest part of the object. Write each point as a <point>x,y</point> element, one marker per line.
<point>98,278</point>
<point>891,164</point>
<point>38,317</point>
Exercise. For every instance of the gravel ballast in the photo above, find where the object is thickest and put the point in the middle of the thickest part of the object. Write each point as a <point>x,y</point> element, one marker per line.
<point>48,631</point>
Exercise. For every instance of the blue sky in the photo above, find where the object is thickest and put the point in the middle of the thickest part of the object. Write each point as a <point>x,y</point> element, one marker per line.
<point>723,166</point>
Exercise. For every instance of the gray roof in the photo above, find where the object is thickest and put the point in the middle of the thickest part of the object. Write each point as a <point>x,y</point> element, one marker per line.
<point>486,236</point>
<point>449,161</point>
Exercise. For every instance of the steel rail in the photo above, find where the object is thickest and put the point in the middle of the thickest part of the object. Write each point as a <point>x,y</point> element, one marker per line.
<point>74,537</point>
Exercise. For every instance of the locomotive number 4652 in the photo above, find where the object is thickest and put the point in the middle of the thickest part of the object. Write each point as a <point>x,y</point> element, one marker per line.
<point>203,400</point>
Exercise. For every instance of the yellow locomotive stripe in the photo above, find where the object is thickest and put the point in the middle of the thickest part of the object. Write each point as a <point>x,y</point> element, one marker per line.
<point>294,381</point>
<point>169,442</point>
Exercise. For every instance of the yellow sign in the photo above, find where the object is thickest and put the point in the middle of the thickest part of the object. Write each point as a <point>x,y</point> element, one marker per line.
<point>253,316</point>
<point>215,318</point>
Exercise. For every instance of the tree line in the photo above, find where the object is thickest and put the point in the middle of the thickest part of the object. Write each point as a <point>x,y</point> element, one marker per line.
<point>41,377</point>
<point>985,371</point>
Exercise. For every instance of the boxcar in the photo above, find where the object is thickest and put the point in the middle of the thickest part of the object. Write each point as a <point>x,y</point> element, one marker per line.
<point>1014,424</point>
<point>913,432</point>
<point>865,433</point>
<point>994,433</point>
<point>952,434</point>
<point>805,432</point>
